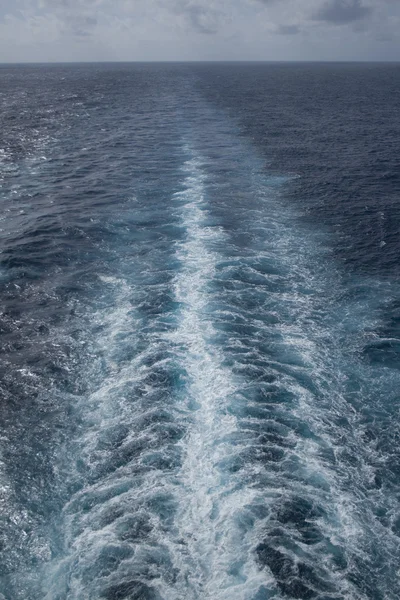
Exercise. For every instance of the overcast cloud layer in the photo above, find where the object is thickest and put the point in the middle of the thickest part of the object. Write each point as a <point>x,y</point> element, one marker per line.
<point>70,30</point>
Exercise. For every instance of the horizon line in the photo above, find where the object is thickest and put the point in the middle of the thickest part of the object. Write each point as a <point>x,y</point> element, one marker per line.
<point>209,61</point>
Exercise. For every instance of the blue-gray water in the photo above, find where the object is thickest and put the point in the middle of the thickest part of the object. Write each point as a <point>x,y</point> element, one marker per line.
<point>200,332</point>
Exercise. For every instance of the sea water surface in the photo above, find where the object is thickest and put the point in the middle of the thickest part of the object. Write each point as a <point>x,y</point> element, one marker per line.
<point>200,332</point>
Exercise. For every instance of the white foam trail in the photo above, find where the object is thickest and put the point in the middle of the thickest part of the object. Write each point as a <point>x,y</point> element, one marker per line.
<point>213,558</point>
<point>105,409</point>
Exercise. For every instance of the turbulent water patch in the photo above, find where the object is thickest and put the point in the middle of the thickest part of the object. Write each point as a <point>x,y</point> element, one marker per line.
<point>209,549</point>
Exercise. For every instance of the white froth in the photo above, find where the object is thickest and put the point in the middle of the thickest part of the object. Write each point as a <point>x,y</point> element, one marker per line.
<point>209,542</point>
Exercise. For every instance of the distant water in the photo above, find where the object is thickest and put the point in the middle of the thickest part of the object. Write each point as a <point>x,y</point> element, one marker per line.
<point>200,332</point>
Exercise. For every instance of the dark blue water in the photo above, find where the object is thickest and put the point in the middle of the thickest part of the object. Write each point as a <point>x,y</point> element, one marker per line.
<point>200,332</point>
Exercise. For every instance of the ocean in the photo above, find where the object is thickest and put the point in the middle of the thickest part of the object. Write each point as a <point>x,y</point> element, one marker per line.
<point>200,331</point>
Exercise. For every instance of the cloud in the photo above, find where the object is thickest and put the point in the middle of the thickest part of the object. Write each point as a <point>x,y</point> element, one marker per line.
<point>211,17</point>
<point>341,12</point>
<point>202,17</point>
<point>199,29</point>
<point>288,29</point>
<point>78,17</point>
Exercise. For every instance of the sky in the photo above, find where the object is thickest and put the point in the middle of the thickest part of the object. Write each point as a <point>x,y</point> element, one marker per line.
<point>179,30</point>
